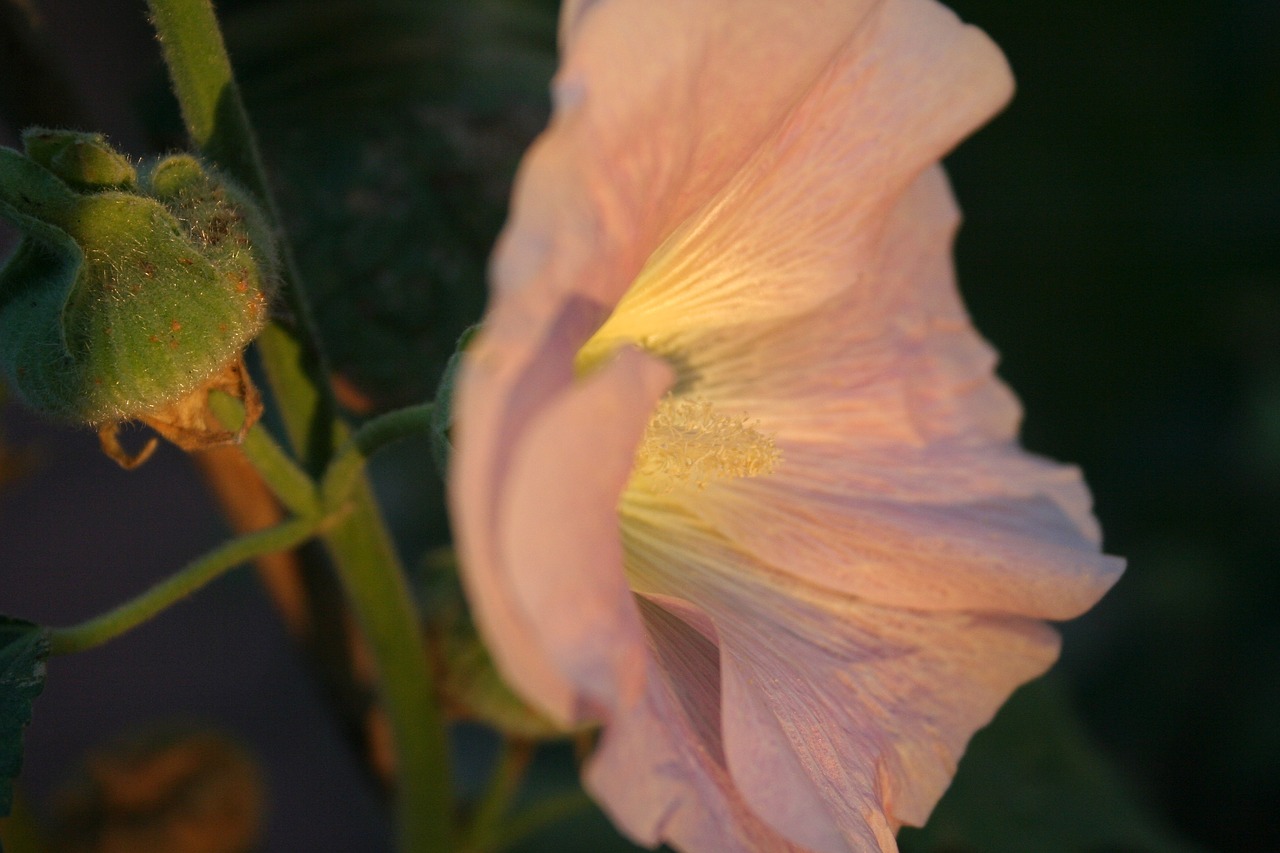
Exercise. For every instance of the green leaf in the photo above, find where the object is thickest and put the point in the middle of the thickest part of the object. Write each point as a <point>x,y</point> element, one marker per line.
<point>1032,781</point>
<point>24,647</point>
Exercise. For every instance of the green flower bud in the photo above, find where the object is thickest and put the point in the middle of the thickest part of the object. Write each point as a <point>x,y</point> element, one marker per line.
<point>129,293</point>
<point>83,160</point>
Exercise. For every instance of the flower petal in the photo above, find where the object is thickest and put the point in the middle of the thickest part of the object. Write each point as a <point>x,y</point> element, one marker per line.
<point>1014,555</point>
<point>520,363</point>
<point>659,769</point>
<point>766,171</point>
<point>658,103</point>
<point>802,219</point>
<point>900,480</point>
<point>872,705</point>
<point>878,705</point>
<point>891,360</point>
<point>557,527</point>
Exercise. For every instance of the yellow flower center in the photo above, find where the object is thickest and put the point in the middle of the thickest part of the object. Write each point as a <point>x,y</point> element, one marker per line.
<point>689,443</point>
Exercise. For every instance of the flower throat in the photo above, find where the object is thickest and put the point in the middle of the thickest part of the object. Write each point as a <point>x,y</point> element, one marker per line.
<point>688,443</point>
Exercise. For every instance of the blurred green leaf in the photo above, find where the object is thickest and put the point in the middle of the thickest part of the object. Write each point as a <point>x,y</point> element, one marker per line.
<point>472,682</point>
<point>1032,781</point>
<point>24,647</point>
<point>469,679</point>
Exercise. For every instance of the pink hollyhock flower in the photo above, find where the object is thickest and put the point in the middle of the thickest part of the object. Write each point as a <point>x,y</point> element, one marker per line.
<point>733,475</point>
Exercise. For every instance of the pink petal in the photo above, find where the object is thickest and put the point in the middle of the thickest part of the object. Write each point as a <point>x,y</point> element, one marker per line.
<point>658,104</point>
<point>515,368</point>
<point>619,170</point>
<point>892,360</point>
<point>1021,556</point>
<point>777,161</point>
<point>939,473</point>
<point>872,706</point>
<point>745,110</point>
<point>659,769</point>
<point>878,705</point>
<point>557,526</point>
<point>802,220</point>
<point>900,480</point>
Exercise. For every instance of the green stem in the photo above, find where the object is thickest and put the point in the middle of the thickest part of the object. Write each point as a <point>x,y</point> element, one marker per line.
<point>348,463</point>
<point>206,88</point>
<point>364,558</point>
<point>219,126</point>
<point>292,486</point>
<point>172,589</point>
<point>504,782</point>
<point>383,606</point>
<point>540,814</point>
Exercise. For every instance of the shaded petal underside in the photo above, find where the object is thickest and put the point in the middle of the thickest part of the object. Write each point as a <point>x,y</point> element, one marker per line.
<point>872,705</point>
<point>558,524</point>
<point>659,769</point>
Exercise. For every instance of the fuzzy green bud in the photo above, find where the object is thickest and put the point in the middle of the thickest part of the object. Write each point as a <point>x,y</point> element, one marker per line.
<point>83,160</point>
<point>131,289</point>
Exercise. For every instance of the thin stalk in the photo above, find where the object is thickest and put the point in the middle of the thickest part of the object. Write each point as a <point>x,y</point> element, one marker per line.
<point>364,558</point>
<point>348,463</point>
<point>292,486</point>
<point>174,588</point>
<point>289,483</point>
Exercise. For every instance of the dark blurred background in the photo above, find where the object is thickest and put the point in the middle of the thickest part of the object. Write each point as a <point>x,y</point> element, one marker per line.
<point>1120,249</point>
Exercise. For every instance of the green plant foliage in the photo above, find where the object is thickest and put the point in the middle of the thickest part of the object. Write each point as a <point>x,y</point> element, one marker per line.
<point>1032,781</point>
<point>442,414</point>
<point>83,160</point>
<point>470,682</point>
<point>120,301</point>
<point>392,130</point>
<point>24,647</point>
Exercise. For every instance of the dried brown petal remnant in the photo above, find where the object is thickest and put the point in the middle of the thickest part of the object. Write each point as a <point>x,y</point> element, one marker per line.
<point>189,422</point>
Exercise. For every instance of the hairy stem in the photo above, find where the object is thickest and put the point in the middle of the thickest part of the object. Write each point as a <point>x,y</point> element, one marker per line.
<point>364,557</point>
